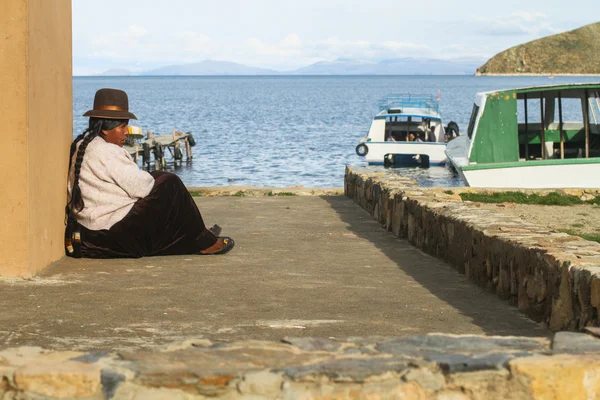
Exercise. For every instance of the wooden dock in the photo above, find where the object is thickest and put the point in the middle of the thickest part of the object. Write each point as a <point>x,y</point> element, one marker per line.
<point>155,147</point>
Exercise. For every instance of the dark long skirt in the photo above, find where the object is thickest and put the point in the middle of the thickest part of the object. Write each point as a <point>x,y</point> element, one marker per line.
<point>165,222</point>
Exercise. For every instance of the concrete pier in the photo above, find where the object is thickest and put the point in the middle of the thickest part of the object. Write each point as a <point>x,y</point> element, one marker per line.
<point>302,266</point>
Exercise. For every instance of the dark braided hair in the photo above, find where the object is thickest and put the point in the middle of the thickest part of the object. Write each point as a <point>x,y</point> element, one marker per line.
<point>96,126</point>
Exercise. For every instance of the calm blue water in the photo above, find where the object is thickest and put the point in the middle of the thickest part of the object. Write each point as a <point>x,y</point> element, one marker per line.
<point>283,131</point>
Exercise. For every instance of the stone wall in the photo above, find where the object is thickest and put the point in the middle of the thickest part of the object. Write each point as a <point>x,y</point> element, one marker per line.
<point>441,367</point>
<point>550,276</point>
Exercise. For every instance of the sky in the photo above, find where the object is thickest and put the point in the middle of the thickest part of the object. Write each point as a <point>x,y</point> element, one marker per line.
<point>285,35</point>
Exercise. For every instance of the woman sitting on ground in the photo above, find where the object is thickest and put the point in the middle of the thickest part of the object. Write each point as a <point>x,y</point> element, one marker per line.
<point>115,209</point>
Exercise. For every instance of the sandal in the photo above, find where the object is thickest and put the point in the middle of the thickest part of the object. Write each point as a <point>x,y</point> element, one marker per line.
<point>228,244</point>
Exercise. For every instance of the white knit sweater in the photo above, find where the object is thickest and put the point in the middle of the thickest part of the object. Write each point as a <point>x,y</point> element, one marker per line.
<point>110,184</point>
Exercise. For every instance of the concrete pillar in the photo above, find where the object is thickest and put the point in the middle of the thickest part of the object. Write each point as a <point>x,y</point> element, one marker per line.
<point>35,132</point>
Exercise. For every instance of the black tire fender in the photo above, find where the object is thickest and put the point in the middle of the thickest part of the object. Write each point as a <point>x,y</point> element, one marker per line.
<point>191,140</point>
<point>362,150</point>
<point>388,160</point>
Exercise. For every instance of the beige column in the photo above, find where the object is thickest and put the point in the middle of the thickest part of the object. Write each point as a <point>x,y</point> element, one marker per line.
<point>35,132</point>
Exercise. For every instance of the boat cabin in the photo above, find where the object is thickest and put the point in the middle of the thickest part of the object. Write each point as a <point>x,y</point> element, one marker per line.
<point>537,123</point>
<point>406,118</point>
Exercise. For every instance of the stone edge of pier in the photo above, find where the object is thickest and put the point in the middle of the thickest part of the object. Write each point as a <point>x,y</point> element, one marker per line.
<point>433,366</point>
<point>552,277</point>
<point>260,191</point>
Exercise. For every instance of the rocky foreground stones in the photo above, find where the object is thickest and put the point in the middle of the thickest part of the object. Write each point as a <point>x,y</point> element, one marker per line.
<point>432,366</point>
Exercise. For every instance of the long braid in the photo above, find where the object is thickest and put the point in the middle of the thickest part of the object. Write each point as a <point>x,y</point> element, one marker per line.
<point>74,145</point>
<point>71,152</point>
<point>93,131</point>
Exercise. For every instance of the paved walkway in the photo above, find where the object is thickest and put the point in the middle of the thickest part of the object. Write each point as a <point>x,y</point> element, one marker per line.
<point>302,266</point>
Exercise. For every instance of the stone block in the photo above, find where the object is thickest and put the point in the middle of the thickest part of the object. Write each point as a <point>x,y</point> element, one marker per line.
<point>449,344</point>
<point>379,390</point>
<point>6,374</point>
<point>452,363</point>
<point>595,292</point>
<point>451,395</point>
<point>262,383</point>
<point>562,306</point>
<point>575,343</point>
<point>59,380</point>
<point>132,391</point>
<point>348,369</point>
<point>20,355</point>
<point>573,192</point>
<point>427,379</point>
<point>561,377</point>
<point>485,385</point>
<point>313,344</point>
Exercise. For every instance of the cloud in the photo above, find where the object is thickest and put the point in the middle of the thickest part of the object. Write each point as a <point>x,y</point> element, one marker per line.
<point>192,43</point>
<point>290,45</point>
<point>476,53</point>
<point>292,40</point>
<point>526,23</point>
<point>333,47</point>
<point>138,45</point>
<point>137,31</point>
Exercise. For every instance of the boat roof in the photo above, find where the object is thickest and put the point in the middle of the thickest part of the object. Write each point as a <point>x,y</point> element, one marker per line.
<point>409,112</point>
<point>409,105</point>
<point>546,88</point>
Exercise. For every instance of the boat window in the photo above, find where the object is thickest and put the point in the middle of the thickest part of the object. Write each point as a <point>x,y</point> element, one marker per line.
<point>533,110</point>
<point>571,110</point>
<point>472,120</point>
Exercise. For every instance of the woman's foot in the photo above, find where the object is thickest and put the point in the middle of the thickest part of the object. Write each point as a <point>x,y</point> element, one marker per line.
<point>221,246</point>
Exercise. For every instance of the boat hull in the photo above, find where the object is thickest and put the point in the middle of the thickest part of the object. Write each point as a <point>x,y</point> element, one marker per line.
<point>546,176</point>
<point>405,152</point>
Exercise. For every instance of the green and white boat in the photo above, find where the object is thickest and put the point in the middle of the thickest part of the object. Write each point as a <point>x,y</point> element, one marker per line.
<point>533,137</point>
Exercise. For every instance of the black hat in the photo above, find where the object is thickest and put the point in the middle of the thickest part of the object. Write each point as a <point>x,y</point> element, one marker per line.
<point>110,103</point>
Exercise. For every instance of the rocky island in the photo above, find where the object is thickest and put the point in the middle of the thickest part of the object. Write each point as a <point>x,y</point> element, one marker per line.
<point>575,52</point>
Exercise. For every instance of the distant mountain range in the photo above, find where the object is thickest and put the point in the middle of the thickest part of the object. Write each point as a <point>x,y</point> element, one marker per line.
<point>572,52</point>
<point>341,66</point>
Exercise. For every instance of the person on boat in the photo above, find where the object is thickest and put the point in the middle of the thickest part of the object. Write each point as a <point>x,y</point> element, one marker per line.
<point>430,134</point>
<point>116,210</point>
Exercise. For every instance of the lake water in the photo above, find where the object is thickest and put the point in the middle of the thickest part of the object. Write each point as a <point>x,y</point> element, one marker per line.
<point>286,130</point>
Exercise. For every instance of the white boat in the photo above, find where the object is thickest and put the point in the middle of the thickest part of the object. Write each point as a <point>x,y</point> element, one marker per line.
<point>534,137</point>
<point>407,130</point>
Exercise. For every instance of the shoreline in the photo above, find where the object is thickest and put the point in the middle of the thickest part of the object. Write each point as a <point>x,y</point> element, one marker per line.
<point>533,74</point>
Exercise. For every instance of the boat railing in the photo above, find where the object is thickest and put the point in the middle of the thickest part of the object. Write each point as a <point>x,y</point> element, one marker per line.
<point>402,101</point>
